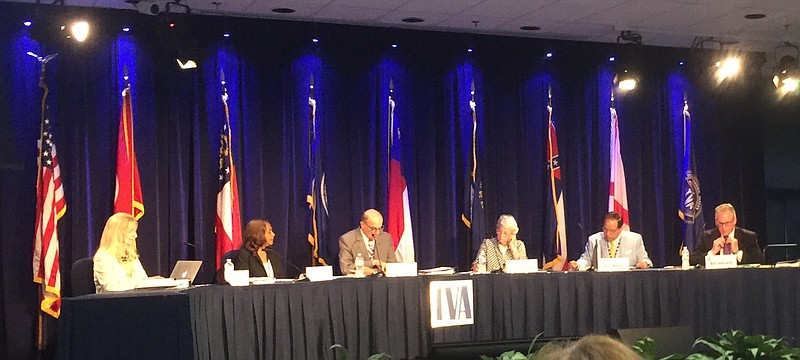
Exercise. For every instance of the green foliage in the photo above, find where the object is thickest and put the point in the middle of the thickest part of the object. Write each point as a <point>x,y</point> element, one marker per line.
<point>379,356</point>
<point>733,345</point>
<point>516,355</point>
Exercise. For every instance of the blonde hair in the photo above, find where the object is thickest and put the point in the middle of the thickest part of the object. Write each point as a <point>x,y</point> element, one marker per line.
<point>508,222</point>
<point>115,237</point>
<point>590,347</point>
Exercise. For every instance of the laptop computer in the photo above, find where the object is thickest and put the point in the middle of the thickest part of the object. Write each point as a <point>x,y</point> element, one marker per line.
<point>186,269</point>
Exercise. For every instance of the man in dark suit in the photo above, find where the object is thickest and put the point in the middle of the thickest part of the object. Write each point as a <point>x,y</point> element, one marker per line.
<point>727,238</point>
<point>369,240</point>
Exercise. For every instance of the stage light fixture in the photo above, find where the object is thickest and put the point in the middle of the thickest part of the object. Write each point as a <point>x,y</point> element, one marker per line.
<point>786,74</point>
<point>612,58</point>
<point>79,30</point>
<point>549,55</point>
<point>315,40</point>
<point>469,50</point>
<point>626,80</point>
<point>27,23</point>
<point>126,29</point>
<point>728,68</point>
<point>226,35</point>
<point>394,45</point>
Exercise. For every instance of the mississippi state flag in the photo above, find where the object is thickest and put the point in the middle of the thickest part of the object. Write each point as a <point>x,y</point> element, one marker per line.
<point>228,224</point>
<point>559,236</point>
<point>128,192</point>
<point>617,191</point>
<point>399,212</point>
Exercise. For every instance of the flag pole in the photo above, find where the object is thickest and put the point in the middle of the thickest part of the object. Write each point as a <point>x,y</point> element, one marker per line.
<point>390,130</point>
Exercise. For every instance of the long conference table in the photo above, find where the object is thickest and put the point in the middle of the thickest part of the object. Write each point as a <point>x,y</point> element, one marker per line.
<point>392,315</point>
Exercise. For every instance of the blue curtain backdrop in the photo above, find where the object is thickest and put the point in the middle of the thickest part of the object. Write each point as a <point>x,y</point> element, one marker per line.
<point>268,66</point>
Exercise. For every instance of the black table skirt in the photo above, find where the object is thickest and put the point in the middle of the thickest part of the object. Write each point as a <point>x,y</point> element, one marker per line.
<point>392,315</point>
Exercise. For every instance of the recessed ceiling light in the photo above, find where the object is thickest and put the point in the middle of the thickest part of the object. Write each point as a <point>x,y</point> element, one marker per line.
<point>283,10</point>
<point>754,16</point>
<point>412,20</point>
<point>530,28</point>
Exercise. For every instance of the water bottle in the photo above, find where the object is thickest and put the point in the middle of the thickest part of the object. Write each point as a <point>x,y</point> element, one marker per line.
<point>228,269</point>
<point>359,263</point>
<point>482,261</point>
<point>685,258</point>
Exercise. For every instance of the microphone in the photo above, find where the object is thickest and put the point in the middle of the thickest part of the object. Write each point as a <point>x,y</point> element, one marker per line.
<point>301,277</point>
<point>380,268</point>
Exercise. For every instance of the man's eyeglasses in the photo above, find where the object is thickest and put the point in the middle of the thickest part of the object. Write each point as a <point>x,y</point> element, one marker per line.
<point>373,228</point>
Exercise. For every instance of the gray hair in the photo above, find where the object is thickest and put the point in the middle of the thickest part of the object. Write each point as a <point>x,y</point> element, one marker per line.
<point>723,208</point>
<point>508,222</point>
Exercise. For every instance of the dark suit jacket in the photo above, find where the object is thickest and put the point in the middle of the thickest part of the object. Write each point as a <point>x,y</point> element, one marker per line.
<point>748,244</point>
<point>351,243</point>
<point>244,260</point>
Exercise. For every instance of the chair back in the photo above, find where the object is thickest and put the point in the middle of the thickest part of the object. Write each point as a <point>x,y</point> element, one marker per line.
<point>82,277</point>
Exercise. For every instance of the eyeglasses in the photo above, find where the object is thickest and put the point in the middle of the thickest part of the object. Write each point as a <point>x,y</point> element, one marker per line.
<point>373,228</point>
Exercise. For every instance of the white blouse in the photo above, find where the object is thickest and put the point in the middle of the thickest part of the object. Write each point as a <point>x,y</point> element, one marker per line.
<point>111,275</point>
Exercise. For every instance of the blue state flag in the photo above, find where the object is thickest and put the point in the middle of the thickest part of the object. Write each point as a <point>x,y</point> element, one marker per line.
<point>690,209</point>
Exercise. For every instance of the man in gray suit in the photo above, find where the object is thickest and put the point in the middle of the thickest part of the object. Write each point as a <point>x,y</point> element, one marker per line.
<point>369,240</point>
<point>613,241</point>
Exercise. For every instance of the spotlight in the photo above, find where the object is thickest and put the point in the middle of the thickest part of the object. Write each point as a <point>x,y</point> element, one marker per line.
<point>27,23</point>
<point>188,64</point>
<point>681,63</point>
<point>79,30</point>
<point>126,29</point>
<point>626,81</point>
<point>394,46</point>
<point>549,55</point>
<point>469,50</point>
<point>786,72</point>
<point>226,35</point>
<point>612,59</point>
<point>728,68</point>
<point>315,40</point>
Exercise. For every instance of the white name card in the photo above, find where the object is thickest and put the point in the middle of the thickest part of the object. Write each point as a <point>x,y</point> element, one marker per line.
<point>319,273</point>
<point>239,278</point>
<point>721,261</point>
<point>522,266</point>
<point>401,269</point>
<point>451,303</point>
<point>613,264</point>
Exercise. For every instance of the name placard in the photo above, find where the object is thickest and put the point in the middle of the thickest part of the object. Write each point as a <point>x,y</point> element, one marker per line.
<point>401,269</point>
<point>319,273</point>
<point>721,261</point>
<point>613,264</point>
<point>522,266</point>
<point>451,303</point>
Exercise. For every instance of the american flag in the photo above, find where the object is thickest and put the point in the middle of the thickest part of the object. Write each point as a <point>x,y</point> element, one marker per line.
<point>228,224</point>
<point>50,207</point>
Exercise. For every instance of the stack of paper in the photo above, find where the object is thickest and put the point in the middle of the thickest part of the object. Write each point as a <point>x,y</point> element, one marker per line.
<point>442,270</point>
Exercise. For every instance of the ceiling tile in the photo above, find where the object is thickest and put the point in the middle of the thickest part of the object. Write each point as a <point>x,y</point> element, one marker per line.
<point>632,13</point>
<point>439,6</point>
<point>348,13</point>
<point>224,5</point>
<point>372,4</point>
<point>506,8</point>
<point>396,17</point>
<point>302,8</point>
<point>572,10</point>
<point>586,30</point>
<point>485,23</point>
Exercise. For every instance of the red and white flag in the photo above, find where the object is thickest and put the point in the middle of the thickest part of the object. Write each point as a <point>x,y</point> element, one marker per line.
<point>128,191</point>
<point>228,224</point>
<point>399,209</point>
<point>617,192</point>
<point>50,207</point>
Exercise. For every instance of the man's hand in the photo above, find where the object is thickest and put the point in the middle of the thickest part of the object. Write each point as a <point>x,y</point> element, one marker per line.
<point>573,265</point>
<point>734,244</point>
<point>717,246</point>
<point>642,265</point>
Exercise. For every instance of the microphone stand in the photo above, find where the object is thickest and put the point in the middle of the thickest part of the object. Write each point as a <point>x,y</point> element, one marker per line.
<point>379,272</point>
<point>301,277</point>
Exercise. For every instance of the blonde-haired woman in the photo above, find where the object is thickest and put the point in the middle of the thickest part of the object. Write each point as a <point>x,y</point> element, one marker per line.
<point>116,262</point>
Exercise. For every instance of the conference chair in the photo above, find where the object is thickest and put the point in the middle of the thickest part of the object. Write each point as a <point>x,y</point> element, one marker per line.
<point>82,277</point>
<point>220,279</point>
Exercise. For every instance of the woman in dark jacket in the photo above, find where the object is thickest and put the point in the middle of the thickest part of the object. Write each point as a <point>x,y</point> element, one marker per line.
<point>255,254</point>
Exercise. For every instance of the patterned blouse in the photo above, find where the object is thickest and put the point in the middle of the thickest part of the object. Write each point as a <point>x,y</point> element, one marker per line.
<point>495,259</point>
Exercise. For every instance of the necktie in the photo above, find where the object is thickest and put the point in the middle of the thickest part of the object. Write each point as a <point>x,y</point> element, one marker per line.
<point>371,248</point>
<point>727,248</point>
<point>612,252</point>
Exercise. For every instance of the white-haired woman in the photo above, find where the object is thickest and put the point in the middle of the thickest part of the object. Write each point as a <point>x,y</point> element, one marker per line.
<point>505,246</point>
<point>116,262</point>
